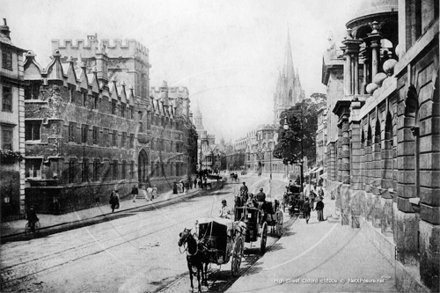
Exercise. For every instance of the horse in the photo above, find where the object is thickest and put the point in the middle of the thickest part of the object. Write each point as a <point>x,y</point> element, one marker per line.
<point>196,257</point>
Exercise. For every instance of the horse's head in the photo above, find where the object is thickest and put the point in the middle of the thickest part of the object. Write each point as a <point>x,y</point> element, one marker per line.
<point>183,236</point>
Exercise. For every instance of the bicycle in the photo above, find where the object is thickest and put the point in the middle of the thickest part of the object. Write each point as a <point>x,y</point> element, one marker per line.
<point>28,229</point>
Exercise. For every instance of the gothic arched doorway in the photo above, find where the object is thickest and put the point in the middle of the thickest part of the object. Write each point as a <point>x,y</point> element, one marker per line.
<point>143,166</point>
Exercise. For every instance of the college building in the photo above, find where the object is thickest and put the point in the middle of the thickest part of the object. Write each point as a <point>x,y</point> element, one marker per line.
<point>383,134</point>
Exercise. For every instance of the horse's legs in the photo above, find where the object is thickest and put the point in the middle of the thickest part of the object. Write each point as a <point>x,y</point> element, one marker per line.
<point>199,268</point>
<point>206,274</point>
<point>190,276</point>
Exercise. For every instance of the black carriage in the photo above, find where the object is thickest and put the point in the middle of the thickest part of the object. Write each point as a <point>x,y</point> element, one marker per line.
<point>224,241</point>
<point>273,215</point>
<point>255,224</point>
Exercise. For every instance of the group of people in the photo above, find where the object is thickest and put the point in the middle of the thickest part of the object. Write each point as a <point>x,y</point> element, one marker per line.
<point>306,204</point>
<point>148,193</point>
<point>244,199</point>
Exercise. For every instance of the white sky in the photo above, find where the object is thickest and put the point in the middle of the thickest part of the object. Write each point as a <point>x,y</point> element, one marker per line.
<point>228,53</point>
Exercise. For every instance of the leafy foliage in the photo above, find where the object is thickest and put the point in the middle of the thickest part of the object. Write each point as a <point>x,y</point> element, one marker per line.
<point>299,138</point>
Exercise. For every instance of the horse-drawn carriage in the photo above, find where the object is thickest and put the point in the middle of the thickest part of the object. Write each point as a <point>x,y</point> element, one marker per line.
<point>215,240</point>
<point>256,226</point>
<point>292,200</point>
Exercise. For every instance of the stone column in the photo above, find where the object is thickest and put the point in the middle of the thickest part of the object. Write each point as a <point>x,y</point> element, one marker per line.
<point>374,43</point>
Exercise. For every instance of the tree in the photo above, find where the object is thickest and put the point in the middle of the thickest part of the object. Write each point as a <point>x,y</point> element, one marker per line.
<point>299,139</point>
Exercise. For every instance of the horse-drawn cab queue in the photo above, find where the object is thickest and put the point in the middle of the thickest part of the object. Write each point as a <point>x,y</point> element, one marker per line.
<point>221,240</point>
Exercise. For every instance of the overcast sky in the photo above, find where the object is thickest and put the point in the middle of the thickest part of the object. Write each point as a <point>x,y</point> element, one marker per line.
<point>227,53</point>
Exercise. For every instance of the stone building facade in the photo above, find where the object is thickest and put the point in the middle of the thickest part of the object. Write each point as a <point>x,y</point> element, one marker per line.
<point>383,167</point>
<point>12,184</point>
<point>91,126</point>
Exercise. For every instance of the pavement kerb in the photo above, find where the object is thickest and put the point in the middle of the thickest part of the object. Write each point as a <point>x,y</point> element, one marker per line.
<point>69,225</point>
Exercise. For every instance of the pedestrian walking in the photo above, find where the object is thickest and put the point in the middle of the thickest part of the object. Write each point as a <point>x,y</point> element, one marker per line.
<point>32,218</point>
<point>312,199</point>
<point>306,210</point>
<point>114,200</point>
<point>175,191</point>
<point>195,182</point>
<point>154,192</point>
<point>134,193</point>
<point>320,210</point>
<point>186,186</point>
<point>149,193</point>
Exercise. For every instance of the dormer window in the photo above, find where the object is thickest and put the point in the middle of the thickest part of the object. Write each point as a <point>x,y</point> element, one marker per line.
<point>71,94</point>
<point>84,99</point>
<point>114,107</point>
<point>123,110</point>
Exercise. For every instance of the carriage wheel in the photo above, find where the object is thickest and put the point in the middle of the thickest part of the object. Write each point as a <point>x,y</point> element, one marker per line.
<point>237,254</point>
<point>263,238</point>
<point>279,224</point>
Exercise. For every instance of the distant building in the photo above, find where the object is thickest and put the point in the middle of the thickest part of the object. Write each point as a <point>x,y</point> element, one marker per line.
<point>288,90</point>
<point>206,153</point>
<point>259,143</point>
<point>12,135</point>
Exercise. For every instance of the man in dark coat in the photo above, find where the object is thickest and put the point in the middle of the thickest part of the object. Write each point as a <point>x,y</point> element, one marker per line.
<point>261,196</point>
<point>306,210</point>
<point>32,218</point>
<point>320,210</point>
<point>134,193</point>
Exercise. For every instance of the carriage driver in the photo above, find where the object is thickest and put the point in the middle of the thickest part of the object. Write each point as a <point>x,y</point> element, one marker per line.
<point>225,212</point>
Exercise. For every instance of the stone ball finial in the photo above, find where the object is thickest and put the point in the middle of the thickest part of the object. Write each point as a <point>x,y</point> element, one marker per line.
<point>399,51</point>
<point>379,78</point>
<point>371,88</point>
<point>388,66</point>
<point>374,27</point>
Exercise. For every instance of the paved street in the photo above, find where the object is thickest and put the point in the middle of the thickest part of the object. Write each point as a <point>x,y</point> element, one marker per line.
<point>320,257</point>
<point>139,251</point>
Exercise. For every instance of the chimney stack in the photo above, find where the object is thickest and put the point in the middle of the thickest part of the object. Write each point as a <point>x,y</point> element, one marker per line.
<point>4,29</point>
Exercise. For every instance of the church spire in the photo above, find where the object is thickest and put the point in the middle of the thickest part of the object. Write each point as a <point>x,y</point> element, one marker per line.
<point>288,70</point>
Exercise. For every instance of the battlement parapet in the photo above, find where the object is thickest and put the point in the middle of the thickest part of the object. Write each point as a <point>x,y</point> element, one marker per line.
<point>174,89</point>
<point>114,47</point>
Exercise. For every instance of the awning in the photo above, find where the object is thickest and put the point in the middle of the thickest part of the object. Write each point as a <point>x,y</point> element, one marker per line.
<point>324,175</point>
<point>313,170</point>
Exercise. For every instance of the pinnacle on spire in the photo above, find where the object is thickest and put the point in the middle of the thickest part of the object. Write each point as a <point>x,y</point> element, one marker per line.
<point>288,70</point>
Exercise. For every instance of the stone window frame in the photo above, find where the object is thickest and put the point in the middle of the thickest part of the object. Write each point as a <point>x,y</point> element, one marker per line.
<point>32,91</point>
<point>115,138</point>
<point>123,169</point>
<point>71,89</point>
<point>7,105</point>
<point>131,140</point>
<point>85,170</point>
<point>7,59</point>
<point>71,131</point>
<point>124,140</point>
<point>84,133</point>
<point>123,108</point>
<point>95,104</point>
<point>113,107</point>
<point>71,170</point>
<point>33,167</point>
<point>131,112</point>
<point>96,169</point>
<point>115,173</point>
<point>95,135</point>
<point>7,144</point>
<point>84,96</point>
<point>35,132</point>
<point>132,169</point>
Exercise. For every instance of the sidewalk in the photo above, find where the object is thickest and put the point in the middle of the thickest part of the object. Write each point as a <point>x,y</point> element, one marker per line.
<point>319,257</point>
<point>14,230</point>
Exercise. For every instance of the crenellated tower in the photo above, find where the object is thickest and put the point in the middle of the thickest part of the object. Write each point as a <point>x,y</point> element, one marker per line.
<point>114,59</point>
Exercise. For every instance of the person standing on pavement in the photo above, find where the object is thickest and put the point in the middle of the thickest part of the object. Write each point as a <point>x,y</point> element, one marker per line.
<point>154,192</point>
<point>32,218</point>
<point>312,199</point>
<point>320,210</point>
<point>243,189</point>
<point>134,192</point>
<point>306,210</point>
<point>114,200</point>
<point>149,193</point>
